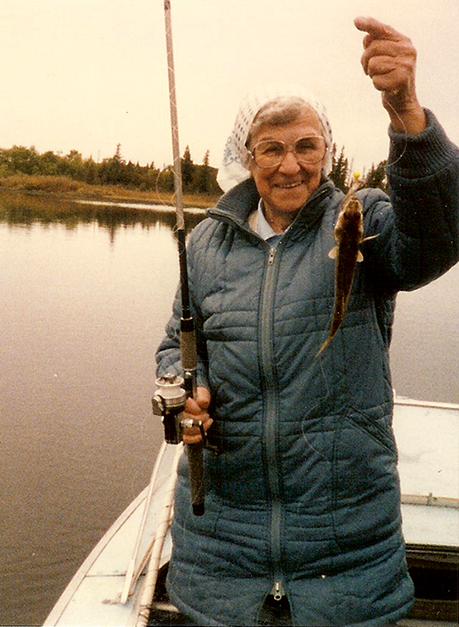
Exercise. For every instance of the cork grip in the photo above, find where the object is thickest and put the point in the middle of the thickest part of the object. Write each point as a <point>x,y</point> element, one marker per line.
<point>188,350</point>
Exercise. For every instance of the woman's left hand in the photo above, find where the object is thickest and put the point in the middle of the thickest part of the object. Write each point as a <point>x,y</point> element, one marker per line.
<point>389,59</point>
<point>196,409</point>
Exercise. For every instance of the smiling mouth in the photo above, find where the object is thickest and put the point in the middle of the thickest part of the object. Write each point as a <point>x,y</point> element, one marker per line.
<point>289,185</point>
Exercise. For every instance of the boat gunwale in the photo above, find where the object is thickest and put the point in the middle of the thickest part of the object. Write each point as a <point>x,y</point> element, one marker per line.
<point>411,402</point>
<point>83,571</point>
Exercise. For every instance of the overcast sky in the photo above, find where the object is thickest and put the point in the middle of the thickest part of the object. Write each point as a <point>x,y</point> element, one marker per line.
<point>89,74</point>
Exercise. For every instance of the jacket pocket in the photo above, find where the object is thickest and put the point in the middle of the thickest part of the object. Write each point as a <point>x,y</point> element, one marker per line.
<point>366,491</point>
<point>375,426</point>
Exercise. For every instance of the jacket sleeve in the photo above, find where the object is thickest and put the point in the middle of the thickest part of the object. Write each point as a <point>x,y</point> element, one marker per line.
<point>418,230</point>
<point>168,357</point>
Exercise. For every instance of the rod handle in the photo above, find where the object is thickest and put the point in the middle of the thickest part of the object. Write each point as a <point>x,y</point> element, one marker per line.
<point>188,345</point>
<point>196,472</point>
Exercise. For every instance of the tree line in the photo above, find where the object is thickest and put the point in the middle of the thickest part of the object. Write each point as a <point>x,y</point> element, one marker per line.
<point>201,179</point>
<point>113,171</point>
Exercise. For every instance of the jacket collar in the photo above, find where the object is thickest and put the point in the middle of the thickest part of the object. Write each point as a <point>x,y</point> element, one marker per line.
<point>236,205</point>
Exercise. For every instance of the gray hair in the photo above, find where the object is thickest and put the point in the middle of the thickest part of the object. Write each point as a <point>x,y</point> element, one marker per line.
<point>280,111</point>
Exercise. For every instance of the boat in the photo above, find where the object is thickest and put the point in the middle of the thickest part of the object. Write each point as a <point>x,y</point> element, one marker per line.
<point>427,435</point>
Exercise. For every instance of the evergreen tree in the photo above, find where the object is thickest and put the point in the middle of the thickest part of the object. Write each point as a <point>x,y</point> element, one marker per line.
<point>377,176</point>
<point>204,173</point>
<point>188,169</point>
<point>340,169</point>
<point>112,170</point>
<point>117,156</point>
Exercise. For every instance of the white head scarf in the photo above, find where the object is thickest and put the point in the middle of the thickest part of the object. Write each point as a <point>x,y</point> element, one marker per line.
<point>232,171</point>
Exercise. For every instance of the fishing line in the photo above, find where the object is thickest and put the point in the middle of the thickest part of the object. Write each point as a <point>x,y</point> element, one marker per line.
<point>321,401</point>
<point>158,193</point>
<point>312,410</point>
<point>357,142</point>
<point>405,131</point>
<point>164,204</point>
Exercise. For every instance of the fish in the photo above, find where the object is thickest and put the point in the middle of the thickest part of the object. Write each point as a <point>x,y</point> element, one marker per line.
<point>348,234</point>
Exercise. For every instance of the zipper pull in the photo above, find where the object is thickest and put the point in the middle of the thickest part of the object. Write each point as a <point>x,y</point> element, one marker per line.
<point>272,254</point>
<point>278,591</point>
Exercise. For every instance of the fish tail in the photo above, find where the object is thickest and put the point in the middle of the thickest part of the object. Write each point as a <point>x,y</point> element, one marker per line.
<point>324,345</point>
<point>338,315</point>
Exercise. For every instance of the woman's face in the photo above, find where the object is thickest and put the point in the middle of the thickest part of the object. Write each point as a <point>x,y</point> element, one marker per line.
<point>285,188</point>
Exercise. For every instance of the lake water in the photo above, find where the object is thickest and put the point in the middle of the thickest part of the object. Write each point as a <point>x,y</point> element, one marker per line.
<point>84,300</point>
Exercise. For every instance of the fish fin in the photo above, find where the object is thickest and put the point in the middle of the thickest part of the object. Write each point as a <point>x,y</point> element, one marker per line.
<point>365,239</point>
<point>333,253</point>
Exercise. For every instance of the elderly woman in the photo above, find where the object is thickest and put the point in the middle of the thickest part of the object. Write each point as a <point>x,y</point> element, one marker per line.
<point>303,502</point>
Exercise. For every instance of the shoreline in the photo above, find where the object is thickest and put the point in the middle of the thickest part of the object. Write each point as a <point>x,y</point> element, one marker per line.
<point>65,188</point>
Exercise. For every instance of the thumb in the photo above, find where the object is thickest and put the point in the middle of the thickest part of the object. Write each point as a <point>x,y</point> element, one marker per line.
<point>202,397</point>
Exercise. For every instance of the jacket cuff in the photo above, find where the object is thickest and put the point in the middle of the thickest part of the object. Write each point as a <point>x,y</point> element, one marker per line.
<point>418,156</point>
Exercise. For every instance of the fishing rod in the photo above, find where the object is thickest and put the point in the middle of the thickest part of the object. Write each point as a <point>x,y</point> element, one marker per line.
<point>169,397</point>
<point>172,391</point>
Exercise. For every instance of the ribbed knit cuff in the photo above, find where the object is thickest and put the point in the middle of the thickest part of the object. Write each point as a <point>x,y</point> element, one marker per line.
<point>418,156</point>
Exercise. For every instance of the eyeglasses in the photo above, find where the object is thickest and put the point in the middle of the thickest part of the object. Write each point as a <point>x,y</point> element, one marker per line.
<point>270,153</point>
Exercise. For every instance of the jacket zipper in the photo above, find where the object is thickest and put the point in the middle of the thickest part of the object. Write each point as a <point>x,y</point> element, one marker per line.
<point>268,376</point>
<point>267,361</point>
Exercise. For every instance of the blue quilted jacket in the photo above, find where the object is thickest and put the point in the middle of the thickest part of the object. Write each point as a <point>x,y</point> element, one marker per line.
<point>306,490</point>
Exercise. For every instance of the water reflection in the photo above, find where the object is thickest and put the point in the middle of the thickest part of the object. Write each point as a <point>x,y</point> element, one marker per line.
<point>25,210</point>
